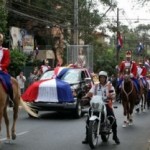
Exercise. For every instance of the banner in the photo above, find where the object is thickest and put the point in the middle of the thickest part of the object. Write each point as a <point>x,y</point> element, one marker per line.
<point>21,39</point>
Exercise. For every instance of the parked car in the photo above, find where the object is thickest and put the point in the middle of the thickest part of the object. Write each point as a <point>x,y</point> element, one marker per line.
<point>62,91</point>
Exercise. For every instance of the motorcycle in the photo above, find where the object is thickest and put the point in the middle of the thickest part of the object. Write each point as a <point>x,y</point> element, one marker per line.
<point>99,122</point>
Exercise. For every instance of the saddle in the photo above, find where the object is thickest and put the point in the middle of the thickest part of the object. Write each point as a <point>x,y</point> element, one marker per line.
<point>143,83</point>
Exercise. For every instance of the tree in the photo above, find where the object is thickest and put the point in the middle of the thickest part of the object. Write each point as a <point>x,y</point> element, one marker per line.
<point>18,61</point>
<point>3,18</point>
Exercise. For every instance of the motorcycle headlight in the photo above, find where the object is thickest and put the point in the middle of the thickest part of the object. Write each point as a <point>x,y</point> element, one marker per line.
<point>95,105</point>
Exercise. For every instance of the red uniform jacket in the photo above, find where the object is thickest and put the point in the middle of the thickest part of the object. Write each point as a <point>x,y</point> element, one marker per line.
<point>131,64</point>
<point>4,59</point>
<point>142,71</point>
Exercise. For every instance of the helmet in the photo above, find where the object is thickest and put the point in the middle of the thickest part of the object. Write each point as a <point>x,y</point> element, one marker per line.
<point>103,73</point>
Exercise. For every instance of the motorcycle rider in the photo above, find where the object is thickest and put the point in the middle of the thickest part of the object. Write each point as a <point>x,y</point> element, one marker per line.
<point>107,91</point>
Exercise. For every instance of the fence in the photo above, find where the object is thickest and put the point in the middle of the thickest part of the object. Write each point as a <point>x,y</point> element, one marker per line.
<point>80,55</point>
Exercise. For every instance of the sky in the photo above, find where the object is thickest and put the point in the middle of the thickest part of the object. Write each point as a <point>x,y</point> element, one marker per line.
<point>132,14</point>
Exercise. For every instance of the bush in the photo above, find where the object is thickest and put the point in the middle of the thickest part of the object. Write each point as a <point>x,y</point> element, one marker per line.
<point>18,61</point>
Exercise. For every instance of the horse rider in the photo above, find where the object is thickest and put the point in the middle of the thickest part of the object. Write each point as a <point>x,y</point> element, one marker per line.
<point>129,63</point>
<point>141,73</point>
<point>147,64</point>
<point>107,91</point>
<point>4,63</point>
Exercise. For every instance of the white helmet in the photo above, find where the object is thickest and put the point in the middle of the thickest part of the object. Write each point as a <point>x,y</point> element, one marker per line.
<point>103,73</point>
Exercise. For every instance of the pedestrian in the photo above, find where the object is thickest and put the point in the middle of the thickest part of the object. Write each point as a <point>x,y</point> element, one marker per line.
<point>31,78</point>
<point>21,81</point>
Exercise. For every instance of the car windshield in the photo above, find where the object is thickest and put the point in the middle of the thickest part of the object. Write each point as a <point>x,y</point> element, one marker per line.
<point>47,75</point>
<point>71,76</point>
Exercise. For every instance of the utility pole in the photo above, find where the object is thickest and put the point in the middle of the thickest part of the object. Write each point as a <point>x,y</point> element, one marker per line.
<point>75,22</point>
<point>117,51</point>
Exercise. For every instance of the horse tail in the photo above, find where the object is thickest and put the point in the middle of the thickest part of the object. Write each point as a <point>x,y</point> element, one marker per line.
<point>27,108</point>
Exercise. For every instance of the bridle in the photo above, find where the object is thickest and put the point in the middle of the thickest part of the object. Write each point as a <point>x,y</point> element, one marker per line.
<point>127,79</point>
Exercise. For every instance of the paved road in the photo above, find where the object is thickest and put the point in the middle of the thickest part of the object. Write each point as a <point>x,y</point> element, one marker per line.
<point>53,131</point>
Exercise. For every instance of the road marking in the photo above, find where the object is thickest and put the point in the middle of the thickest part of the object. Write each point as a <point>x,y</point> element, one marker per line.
<point>21,133</point>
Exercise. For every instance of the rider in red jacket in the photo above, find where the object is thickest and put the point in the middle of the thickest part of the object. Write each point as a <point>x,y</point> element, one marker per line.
<point>142,72</point>
<point>4,63</point>
<point>128,63</point>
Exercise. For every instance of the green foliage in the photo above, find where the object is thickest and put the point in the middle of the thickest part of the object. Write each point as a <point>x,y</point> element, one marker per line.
<point>18,61</point>
<point>3,19</point>
<point>105,61</point>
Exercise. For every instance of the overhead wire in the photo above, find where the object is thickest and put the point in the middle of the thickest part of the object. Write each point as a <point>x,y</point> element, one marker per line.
<point>41,11</point>
<point>52,17</point>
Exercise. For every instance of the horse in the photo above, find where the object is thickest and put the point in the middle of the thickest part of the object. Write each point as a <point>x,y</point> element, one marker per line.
<point>17,100</point>
<point>143,94</point>
<point>128,96</point>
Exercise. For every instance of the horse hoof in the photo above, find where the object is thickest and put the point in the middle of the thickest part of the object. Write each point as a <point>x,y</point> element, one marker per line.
<point>8,141</point>
<point>14,136</point>
<point>137,111</point>
<point>125,124</point>
<point>144,110</point>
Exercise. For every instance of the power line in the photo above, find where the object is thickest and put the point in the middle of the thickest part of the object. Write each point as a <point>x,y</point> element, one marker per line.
<point>38,19</point>
<point>42,12</point>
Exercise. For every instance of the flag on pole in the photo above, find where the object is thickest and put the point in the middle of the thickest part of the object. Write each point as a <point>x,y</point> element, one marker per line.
<point>119,41</point>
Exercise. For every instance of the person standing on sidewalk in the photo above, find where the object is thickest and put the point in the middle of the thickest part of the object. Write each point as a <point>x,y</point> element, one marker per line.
<point>21,80</point>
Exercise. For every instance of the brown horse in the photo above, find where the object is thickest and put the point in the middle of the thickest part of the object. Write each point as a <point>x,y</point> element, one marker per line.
<point>143,93</point>
<point>128,97</point>
<point>4,100</point>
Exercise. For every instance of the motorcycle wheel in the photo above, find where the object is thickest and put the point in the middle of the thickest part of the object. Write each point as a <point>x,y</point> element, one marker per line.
<point>92,134</point>
<point>104,137</point>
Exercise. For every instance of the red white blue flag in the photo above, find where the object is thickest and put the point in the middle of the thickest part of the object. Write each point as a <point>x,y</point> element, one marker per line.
<point>119,41</point>
<point>50,90</point>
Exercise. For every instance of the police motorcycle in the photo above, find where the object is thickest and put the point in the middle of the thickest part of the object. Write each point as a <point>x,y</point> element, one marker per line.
<point>99,124</point>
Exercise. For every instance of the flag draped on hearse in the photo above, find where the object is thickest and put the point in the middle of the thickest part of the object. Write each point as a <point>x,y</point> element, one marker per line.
<point>50,90</point>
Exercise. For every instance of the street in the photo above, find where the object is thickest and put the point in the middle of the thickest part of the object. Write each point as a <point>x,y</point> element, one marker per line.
<point>54,131</point>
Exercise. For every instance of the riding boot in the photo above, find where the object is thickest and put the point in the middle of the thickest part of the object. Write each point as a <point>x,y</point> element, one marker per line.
<point>114,130</point>
<point>115,137</point>
<point>85,141</point>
